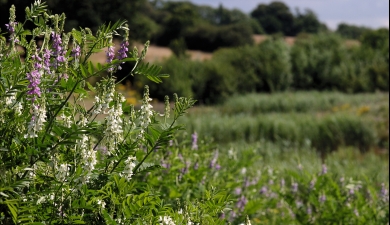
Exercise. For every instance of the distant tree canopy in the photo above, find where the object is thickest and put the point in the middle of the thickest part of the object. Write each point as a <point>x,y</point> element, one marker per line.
<point>276,17</point>
<point>182,24</point>
<point>351,31</point>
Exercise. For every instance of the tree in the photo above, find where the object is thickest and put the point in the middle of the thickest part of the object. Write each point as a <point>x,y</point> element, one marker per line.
<point>307,22</point>
<point>351,31</point>
<point>274,18</point>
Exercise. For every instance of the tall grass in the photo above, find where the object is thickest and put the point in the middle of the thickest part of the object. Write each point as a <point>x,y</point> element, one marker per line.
<point>286,102</point>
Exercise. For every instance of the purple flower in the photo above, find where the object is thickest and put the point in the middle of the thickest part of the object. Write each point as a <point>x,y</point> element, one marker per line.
<point>76,51</point>
<point>46,60</point>
<point>194,141</point>
<point>242,201</point>
<point>322,198</point>
<point>309,210</point>
<point>312,183</point>
<point>213,162</point>
<point>11,27</point>
<point>263,190</point>
<point>384,194</point>
<point>282,183</point>
<point>299,204</point>
<point>110,56</point>
<point>247,182</point>
<point>122,52</point>
<point>196,166</point>
<point>35,79</point>
<point>324,169</point>
<point>58,52</point>
<point>238,191</point>
<point>165,165</point>
<point>294,187</point>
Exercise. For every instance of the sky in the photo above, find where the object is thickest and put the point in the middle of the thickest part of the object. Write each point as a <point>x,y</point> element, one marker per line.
<point>368,13</point>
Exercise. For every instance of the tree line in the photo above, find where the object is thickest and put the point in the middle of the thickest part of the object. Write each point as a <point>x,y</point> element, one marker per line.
<point>184,25</point>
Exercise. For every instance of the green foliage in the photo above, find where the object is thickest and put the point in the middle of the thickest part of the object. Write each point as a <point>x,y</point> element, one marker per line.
<point>323,63</point>
<point>351,31</point>
<point>60,163</point>
<point>274,17</point>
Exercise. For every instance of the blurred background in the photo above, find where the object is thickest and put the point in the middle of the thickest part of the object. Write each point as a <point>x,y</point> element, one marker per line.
<point>292,72</point>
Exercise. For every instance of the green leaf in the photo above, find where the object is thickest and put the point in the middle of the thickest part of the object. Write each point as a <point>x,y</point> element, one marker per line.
<point>90,67</point>
<point>83,71</point>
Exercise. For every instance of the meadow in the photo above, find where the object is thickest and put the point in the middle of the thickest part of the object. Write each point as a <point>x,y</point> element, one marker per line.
<point>286,158</point>
<point>74,152</point>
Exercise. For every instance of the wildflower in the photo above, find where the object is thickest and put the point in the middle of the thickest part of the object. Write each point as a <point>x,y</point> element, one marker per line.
<point>243,171</point>
<point>294,187</point>
<point>384,194</point>
<point>282,183</point>
<point>129,166</point>
<point>213,162</point>
<point>247,221</point>
<point>324,169</point>
<point>299,204</point>
<point>356,212</point>
<point>196,166</point>
<point>10,99</point>
<point>67,120</point>
<point>309,210</point>
<point>62,172</point>
<point>88,158</point>
<point>34,78</point>
<point>165,164</point>
<point>238,191</point>
<point>37,120</point>
<point>101,203</point>
<point>242,201</point>
<point>300,167</point>
<point>264,190</point>
<point>114,122</point>
<point>46,60</point>
<point>58,52</point>
<point>166,220</point>
<point>194,141</point>
<point>11,27</point>
<point>110,56</point>
<point>76,51</point>
<point>122,52</point>
<point>146,111</point>
<point>322,198</point>
<point>311,185</point>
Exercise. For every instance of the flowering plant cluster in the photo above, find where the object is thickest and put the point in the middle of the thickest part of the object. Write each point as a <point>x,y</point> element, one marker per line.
<point>62,162</point>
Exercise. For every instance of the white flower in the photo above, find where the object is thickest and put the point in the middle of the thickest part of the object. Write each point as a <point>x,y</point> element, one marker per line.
<point>166,220</point>
<point>67,120</point>
<point>146,112</point>
<point>37,120</point>
<point>101,203</point>
<point>62,172</point>
<point>98,103</point>
<point>10,100</point>
<point>18,108</point>
<point>127,172</point>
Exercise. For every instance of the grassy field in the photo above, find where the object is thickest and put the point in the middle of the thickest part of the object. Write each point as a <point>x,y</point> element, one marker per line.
<point>264,152</point>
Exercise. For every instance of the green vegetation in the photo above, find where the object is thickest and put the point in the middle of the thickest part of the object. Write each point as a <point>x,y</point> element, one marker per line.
<point>315,62</point>
<point>251,159</point>
<point>323,121</point>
